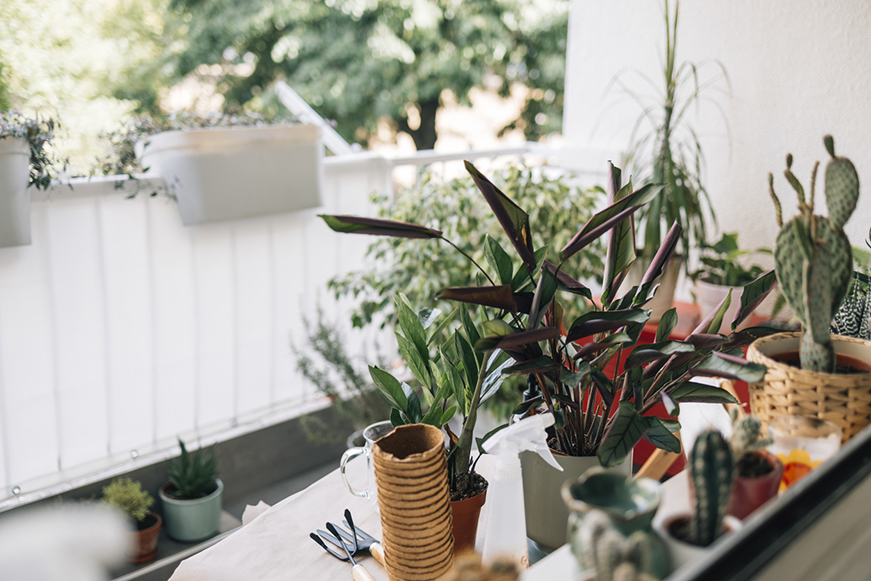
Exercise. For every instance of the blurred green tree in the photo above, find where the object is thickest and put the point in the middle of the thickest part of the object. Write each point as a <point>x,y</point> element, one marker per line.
<point>360,61</point>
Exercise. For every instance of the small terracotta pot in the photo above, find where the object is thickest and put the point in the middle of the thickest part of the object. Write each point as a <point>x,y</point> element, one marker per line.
<point>143,547</point>
<point>465,516</point>
<point>748,494</point>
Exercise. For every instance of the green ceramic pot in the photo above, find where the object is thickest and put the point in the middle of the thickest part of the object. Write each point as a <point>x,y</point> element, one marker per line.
<point>189,520</point>
<point>629,505</point>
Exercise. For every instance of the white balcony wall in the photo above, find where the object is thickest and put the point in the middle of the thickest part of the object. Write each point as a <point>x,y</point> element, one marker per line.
<point>798,71</point>
<point>121,329</point>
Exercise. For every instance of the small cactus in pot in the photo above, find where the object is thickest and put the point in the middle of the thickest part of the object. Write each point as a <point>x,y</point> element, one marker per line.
<point>712,472</point>
<point>813,258</point>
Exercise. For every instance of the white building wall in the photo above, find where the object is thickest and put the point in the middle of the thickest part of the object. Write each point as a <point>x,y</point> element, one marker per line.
<point>798,70</point>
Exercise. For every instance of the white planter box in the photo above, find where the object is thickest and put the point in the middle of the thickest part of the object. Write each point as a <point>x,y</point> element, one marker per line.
<point>238,172</point>
<point>14,194</point>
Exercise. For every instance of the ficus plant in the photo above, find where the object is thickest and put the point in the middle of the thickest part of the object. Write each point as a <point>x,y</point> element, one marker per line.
<point>598,412</point>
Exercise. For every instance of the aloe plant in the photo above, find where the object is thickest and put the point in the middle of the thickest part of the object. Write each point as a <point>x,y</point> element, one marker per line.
<point>194,475</point>
<point>597,413</point>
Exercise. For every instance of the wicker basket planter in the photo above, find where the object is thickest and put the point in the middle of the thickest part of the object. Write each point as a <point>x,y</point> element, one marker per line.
<point>843,399</point>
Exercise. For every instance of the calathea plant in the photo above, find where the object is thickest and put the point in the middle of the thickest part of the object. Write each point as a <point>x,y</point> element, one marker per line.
<point>598,412</point>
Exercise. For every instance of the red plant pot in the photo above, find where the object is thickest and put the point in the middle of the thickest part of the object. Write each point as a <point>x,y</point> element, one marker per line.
<point>748,494</point>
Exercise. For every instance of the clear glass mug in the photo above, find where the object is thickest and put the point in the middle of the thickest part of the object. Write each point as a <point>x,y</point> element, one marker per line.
<point>802,444</point>
<point>372,433</point>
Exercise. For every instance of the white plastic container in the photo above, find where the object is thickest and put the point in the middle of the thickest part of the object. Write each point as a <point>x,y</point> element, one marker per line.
<point>14,193</point>
<point>238,172</point>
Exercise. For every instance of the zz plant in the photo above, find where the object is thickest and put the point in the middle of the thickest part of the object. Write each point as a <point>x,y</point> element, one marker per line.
<point>598,412</point>
<point>193,475</point>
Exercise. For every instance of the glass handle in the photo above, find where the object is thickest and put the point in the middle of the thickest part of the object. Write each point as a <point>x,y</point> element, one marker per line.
<point>349,455</point>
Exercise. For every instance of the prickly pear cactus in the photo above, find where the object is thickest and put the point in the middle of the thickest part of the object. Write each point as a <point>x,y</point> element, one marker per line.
<point>812,255</point>
<point>711,474</point>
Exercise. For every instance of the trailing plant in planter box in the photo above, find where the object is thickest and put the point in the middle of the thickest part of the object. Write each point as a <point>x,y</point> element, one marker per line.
<point>25,160</point>
<point>192,497</point>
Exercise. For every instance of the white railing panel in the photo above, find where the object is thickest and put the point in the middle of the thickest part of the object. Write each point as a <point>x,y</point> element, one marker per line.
<point>175,335</point>
<point>78,309</point>
<point>254,320</point>
<point>27,404</point>
<point>127,275</point>
<point>215,306</point>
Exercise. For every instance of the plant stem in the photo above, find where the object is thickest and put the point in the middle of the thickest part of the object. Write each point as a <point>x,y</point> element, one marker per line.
<point>462,455</point>
<point>470,259</point>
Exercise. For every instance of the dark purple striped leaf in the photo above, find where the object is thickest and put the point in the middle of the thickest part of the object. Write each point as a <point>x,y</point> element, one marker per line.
<point>499,297</point>
<point>596,322</point>
<point>378,227</point>
<point>754,293</point>
<point>510,342</point>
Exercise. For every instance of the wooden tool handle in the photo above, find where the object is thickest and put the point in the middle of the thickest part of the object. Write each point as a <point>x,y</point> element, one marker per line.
<point>377,551</point>
<point>359,573</point>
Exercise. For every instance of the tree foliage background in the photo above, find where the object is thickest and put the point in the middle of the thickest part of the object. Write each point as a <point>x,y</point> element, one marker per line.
<point>357,62</point>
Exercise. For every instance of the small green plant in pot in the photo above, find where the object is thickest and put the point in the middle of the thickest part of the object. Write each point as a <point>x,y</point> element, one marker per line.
<point>127,495</point>
<point>192,497</point>
<point>757,471</point>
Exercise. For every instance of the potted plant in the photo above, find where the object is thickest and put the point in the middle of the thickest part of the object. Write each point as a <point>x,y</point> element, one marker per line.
<point>128,496</point>
<point>815,373</point>
<point>757,471</point>
<point>230,166</point>
<point>24,162</point>
<point>192,497</point>
<point>721,272</point>
<point>670,153</point>
<point>600,416</point>
<point>711,471</point>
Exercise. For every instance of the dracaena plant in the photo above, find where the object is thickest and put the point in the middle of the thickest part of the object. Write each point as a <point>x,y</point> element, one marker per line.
<point>597,412</point>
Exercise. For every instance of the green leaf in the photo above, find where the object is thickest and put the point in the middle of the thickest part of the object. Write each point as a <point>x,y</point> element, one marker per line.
<point>671,406</point>
<point>433,416</point>
<point>626,430</point>
<point>467,356</point>
<point>487,436</point>
<point>573,378</point>
<point>518,339</point>
<point>525,405</point>
<point>730,367</point>
<point>497,328</point>
<point>448,415</point>
<point>660,435</point>
<point>701,393</point>
<point>412,358</point>
<point>644,354</point>
<point>498,259</point>
<point>468,326</point>
<point>411,326</point>
<point>666,325</point>
<point>455,380</point>
<point>378,227</point>
<point>495,377</point>
<point>538,365</point>
<point>396,418</point>
<point>544,291</point>
<point>754,293</point>
<point>389,387</point>
<point>442,326</point>
<point>596,322</point>
<point>413,411</point>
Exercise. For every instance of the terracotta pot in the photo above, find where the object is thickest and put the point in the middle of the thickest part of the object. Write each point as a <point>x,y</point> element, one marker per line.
<point>143,546</point>
<point>748,494</point>
<point>465,515</point>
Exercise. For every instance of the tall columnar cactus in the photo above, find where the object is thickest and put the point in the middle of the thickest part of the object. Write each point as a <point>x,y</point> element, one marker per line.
<point>812,255</point>
<point>711,473</point>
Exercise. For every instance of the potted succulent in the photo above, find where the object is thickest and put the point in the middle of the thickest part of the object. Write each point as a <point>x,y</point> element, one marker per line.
<point>192,497</point>
<point>757,471</point>
<point>711,472</point>
<point>226,166</point>
<point>600,416</point>
<point>721,272</point>
<point>128,496</point>
<point>814,372</point>
<point>24,162</point>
